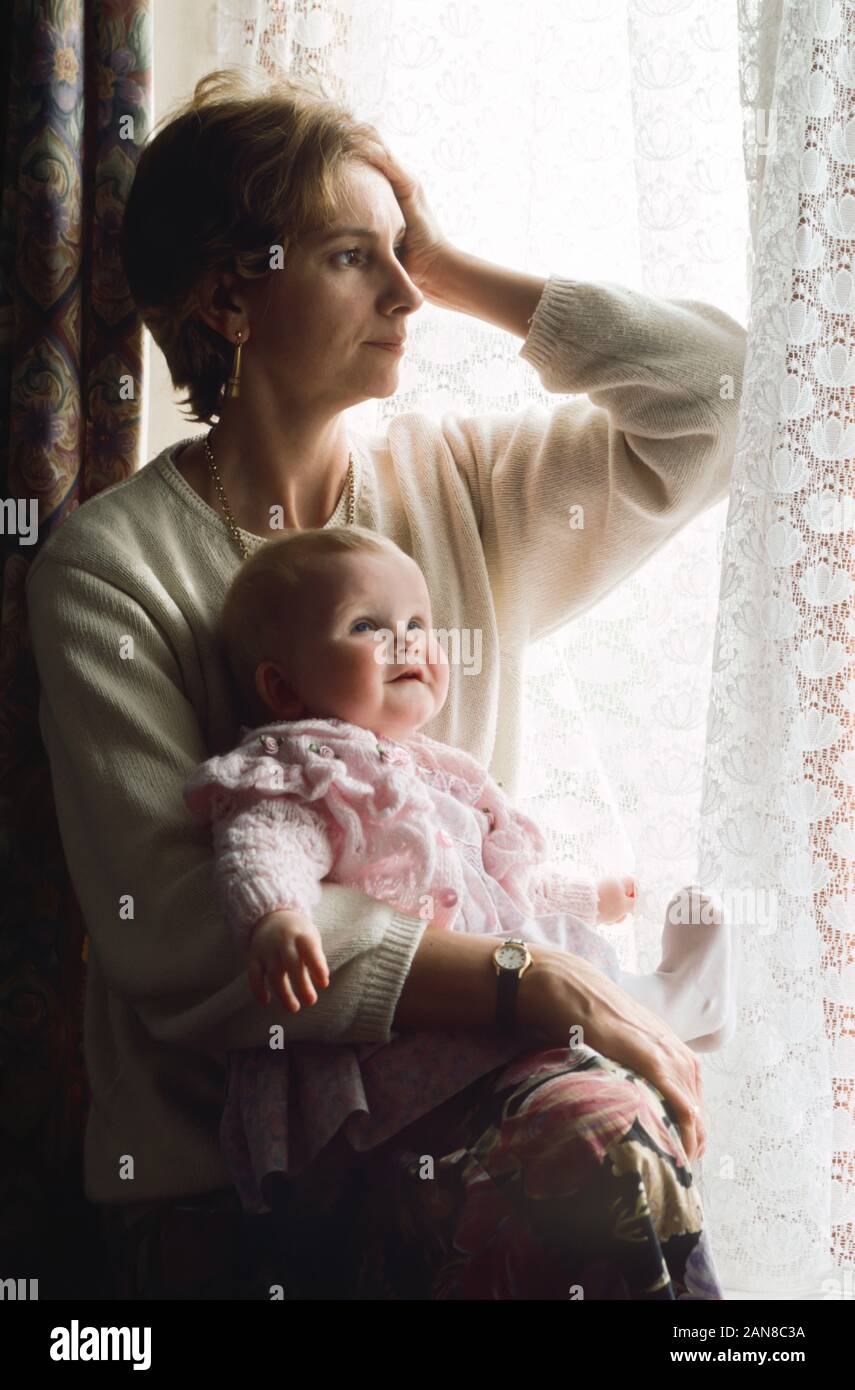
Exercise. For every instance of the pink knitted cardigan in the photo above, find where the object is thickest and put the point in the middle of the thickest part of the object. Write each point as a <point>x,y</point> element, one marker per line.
<point>420,825</point>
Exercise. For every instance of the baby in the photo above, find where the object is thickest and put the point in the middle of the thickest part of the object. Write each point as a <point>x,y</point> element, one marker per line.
<point>330,633</point>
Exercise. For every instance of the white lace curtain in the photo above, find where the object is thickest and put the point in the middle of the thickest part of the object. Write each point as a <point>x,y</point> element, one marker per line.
<point>698,724</point>
<point>778,812</point>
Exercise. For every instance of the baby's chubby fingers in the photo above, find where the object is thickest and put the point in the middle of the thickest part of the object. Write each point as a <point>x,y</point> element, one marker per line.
<point>284,947</point>
<point>289,961</point>
<point>258,975</point>
<point>303,985</point>
<point>312,954</point>
<point>283,983</point>
<point>279,963</point>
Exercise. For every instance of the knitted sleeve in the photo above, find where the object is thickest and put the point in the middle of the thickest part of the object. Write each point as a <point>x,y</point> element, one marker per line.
<point>572,498</point>
<point>567,892</point>
<point>514,852</point>
<point>271,854</point>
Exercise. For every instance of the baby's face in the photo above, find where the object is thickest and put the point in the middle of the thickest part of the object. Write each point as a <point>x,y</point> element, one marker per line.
<point>341,670</point>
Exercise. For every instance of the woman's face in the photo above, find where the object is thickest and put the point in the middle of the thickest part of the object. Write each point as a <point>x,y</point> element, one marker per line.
<point>311,322</point>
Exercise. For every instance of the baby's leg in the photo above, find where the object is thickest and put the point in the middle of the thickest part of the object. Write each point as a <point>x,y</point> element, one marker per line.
<point>692,989</point>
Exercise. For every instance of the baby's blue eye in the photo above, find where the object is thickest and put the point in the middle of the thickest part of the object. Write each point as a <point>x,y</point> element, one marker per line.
<point>362,622</point>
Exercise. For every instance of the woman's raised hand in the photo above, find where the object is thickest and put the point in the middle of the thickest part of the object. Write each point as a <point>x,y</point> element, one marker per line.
<point>425,243</point>
<point>562,991</point>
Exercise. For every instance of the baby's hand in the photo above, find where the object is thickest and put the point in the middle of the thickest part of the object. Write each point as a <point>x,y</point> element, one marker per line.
<point>285,949</point>
<point>616,898</point>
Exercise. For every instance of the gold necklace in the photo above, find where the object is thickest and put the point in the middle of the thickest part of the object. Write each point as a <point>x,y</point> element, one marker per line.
<point>230,521</point>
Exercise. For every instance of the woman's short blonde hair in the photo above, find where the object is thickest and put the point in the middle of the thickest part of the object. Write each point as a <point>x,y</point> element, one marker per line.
<point>251,161</point>
<point>260,601</point>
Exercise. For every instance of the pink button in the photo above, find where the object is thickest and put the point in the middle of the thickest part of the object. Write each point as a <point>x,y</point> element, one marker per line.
<point>444,837</point>
<point>447,897</point>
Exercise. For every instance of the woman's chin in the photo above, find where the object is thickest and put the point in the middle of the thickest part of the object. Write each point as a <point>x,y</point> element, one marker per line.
<point>387,378</point>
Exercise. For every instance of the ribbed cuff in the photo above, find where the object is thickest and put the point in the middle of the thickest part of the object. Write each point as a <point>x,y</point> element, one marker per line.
<point>548,323</point>
<point>576,894</point>
<point>583,900</point>
<point>379,997</point>
<point>581,324</point>
<point>257,895</point>
<point>580,327</point>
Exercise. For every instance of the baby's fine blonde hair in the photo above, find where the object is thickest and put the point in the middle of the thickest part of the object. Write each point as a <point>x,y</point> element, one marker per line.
<point>260,601</point>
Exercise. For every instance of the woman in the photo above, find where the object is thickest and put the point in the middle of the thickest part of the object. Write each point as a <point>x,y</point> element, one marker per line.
<point>240,252</point>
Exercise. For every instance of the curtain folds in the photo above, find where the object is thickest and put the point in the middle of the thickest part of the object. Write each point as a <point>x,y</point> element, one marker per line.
<point>77,76</point>
<point>778,815</point>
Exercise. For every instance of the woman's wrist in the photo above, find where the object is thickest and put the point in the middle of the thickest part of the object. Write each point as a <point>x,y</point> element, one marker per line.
<point>533,987</point>
<point>451,983</point>
<point>469,285</point>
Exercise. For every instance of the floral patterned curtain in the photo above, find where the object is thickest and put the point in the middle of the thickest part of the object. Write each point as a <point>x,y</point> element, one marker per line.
<point>77,84</point>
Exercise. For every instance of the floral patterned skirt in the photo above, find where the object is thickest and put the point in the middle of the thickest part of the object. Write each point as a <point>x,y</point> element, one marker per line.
<point>559,1175</point>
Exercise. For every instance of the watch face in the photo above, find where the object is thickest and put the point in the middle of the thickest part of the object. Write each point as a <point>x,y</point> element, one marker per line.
<point>510,956</point>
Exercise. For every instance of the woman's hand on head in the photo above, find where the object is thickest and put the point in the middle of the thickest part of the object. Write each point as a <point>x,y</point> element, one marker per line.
<point>566,992</point>
<point>424,244</point>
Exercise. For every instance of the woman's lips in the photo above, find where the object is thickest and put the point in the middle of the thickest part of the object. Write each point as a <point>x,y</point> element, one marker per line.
<point>388,347</point>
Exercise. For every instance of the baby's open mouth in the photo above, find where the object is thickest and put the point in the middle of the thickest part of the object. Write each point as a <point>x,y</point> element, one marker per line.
<point>409,676</point>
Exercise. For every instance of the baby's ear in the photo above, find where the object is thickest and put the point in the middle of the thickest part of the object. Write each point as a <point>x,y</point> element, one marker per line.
<point>274,695</point>
<point>251,710</point>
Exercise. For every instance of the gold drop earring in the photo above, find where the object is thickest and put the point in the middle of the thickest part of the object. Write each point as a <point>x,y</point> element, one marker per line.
<point>233,387</point>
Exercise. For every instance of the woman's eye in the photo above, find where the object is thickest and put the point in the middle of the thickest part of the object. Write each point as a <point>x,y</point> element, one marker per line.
<point>356,251</point>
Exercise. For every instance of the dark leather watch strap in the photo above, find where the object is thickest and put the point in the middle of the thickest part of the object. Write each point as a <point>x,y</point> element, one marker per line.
<point>506,999</point>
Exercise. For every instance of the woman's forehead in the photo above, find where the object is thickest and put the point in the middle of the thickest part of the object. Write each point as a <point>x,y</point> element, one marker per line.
<point>366,198</point>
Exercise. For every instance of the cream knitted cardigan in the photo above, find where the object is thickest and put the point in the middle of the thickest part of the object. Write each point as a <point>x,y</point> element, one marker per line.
<point>123,604</point>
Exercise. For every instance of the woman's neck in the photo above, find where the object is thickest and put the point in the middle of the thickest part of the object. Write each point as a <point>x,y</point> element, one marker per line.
<point>302,473</point>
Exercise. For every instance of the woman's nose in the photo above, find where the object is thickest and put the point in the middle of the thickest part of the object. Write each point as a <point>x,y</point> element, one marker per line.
<point>405,291</point>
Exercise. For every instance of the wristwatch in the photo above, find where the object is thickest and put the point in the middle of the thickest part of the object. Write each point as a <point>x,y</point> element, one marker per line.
<point>512,959</point>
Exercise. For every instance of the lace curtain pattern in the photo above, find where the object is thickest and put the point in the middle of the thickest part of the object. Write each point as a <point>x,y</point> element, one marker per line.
<point>778,813</point>
<point>697,724</point>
